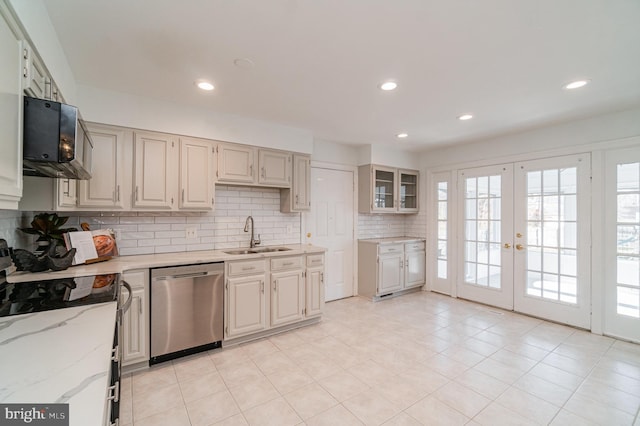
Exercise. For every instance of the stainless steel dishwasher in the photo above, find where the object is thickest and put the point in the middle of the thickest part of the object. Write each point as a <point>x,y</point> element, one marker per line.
<point>186,310</point>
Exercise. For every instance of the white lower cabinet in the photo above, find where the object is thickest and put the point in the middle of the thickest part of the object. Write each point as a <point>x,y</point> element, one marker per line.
<point>399,265</point>
<point>135,324</point>
<point>269,293</point>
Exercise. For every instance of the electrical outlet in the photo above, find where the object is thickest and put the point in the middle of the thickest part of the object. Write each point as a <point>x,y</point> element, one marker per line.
<point>191,232</point>
<point>289,229</point>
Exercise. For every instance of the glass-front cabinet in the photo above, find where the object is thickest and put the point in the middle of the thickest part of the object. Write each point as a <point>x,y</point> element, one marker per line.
<point>387,190</point>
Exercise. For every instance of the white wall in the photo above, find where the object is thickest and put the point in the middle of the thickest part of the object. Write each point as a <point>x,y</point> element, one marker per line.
<point>35,19</point>
<point>601,128</point>
<point>332,152</point>
<point>122,109</point>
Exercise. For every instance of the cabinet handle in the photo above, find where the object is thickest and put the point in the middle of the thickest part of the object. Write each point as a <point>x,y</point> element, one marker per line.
<point>136,192</point>
<point>250,268</point>
<point>140,307</point>
<point>287,264</point>
<point>322,277</point>
<point>296,198</point>
<point>262,286</point>
<point>68,182</point>
<point>251,169</point>
<point>118,193</point>
<point>263,175</point>
<point>183,195</point>
<point>275,285</point>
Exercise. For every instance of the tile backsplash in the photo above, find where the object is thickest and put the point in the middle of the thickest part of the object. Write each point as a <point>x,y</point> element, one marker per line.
<point>162,232</point>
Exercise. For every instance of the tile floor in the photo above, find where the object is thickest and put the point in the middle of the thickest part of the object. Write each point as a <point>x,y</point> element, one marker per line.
<point>418,359</point>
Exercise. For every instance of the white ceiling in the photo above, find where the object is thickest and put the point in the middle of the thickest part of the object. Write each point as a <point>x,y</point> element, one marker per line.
<point>318,62</point>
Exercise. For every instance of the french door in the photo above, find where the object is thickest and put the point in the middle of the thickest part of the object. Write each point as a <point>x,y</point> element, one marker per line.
<point>622,243</point>
<point>525,240</point>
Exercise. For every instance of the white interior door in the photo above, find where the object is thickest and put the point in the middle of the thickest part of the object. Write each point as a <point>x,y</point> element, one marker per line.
<point>622,242</point>
<point>552,239</point>
<point>330,223</point>
<point>486,214</point>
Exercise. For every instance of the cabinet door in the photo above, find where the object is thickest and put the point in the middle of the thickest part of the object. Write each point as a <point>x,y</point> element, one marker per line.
<point>154,177</point>
<point>390,275</point>
<point>105,188</point>
<point>414,268</point>
<point>11,117</point>
<point>408,191</point>
<point>245,305</point>
<point>314,292</point>
<point>235,163</point>
<point>275,168</point>
<point>34,77</point>
<point>384,189</point>
<point>196,180</point>
<point>301,182</point>
<point>135,329</point>
<point>287,297</point>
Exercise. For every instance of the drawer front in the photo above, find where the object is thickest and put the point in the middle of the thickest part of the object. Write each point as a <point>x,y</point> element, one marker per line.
<point>390,248</point>
<point>415,246</point>
<point>315,260</point>
<point>281,263</point>
<point>136,279</point>
<point>246,267</point>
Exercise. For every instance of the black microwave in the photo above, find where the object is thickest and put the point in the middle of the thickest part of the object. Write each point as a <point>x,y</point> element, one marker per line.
<point>55,141</point>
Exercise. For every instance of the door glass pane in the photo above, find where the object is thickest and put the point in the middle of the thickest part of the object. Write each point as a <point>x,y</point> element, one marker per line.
<point>628,240</point>
<point>552,234</point>
<point>384,183</point>
<point>482,231</point>
<point>442,229</point>
<point>408,191</point>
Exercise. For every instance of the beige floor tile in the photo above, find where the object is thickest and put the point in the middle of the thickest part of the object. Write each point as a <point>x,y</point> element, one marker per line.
<point>403,419</point>
<point>543,389</point>
<point>318,366</point>
<point>527,405</point>
<point>154,377</point>
<point>212,409</point>
<point>126,408</point>
<point>155,401</point>
<point>497,415</point>
<point>337,415</point>
<point>462,399</point>
<point>480,346</point>
<point>371,373</point>
<point>597,412</point>
<point>273,413</point>
<point>199,387</point>
<point>426,378</point>
<point>564,418</point>
<point>615,380</point>
<point>431,411</point>
<point>403,392</point>
<point>343,385</point>
<point>446,366</point>
<point>193,366</point>
<point>226,355</point>
<point>463,355</point>
<point>310,400</point>
<point>259,348</point>
<point>483,384</point>
<point>609,396</point>
<point>371,408</point>
<point>513,359</point>
<point>531,352</point>
<point>237,420</point>
<point>273,362</point>
<point>237,373</point>
<point>174,417</point>
<point>499,370</point>
<point>253,392</point>
<point>570,365</point>
<point>557,376</point>
<point>286,340</point>
<point>290,379</point>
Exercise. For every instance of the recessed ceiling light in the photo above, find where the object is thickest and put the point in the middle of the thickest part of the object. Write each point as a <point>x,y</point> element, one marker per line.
<point>576,84</point>
<point>402,135</point>
<point>389,85</point>
<point>465,117</point>
<point>204,85</point>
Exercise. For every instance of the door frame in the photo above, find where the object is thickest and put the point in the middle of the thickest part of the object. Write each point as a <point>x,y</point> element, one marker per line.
<point>303,220</point>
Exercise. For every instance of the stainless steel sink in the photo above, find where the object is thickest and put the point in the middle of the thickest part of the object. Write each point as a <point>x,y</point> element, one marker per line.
<point>268,249</point>
<point>239,252</point>
<point>257,250</point>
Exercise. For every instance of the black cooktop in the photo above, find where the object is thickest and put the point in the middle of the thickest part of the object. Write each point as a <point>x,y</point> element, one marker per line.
<point>44,295</point>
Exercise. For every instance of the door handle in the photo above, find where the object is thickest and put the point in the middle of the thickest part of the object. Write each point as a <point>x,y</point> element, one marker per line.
<point>507,245</point>
<point>519,247</point>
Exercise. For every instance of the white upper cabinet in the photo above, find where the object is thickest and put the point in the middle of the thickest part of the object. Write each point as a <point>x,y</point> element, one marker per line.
<point>196,174</point>
<point>155,174</point>
<point>11,117</point>
<point>297,198</point>
<point>387,190</point>
<point>106,188</point>
<point>275,168</point>
<point>34,75</point>
<point>235,163</point>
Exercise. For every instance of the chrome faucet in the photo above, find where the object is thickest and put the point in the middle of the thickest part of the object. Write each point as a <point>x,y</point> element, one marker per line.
<point>253,242</point>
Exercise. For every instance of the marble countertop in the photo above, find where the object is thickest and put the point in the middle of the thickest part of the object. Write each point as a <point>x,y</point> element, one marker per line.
<point>391,240</point>
<point>61,356</point>
<point>127,263</point>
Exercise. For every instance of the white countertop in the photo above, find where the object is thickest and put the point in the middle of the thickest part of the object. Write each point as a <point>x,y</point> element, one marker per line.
<point>62,356</point>
<point>127,263</point>
<point>391,240</point>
